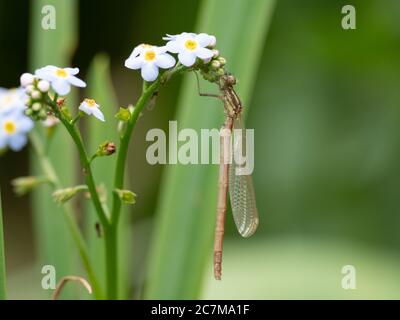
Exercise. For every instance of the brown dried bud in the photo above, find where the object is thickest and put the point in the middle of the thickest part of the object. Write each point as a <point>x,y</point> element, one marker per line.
<point>106,149</point>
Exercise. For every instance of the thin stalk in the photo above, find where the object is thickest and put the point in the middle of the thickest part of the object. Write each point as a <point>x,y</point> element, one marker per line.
<point>149,90</point>
<point>85,162</point>
<point>67,213</point>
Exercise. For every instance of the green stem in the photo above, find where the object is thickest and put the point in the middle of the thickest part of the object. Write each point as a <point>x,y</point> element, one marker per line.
<point>68,214</point>
<point>77,117</point>
<point>85,162</point>
<point>111,232</point>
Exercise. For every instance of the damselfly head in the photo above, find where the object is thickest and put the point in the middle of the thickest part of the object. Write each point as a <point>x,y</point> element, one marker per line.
<point>231,80</point>
<point>228,80</point>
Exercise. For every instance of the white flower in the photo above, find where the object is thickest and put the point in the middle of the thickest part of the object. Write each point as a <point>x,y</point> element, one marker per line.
<point>13,130</point>
<point>90,107</point>
<point>60,79</point>
<point>11,100</point>
<point>149,58</point>
<point>190,46</point>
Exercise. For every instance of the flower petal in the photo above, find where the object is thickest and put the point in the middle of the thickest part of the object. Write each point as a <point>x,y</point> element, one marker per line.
<point>174,46</point>
<point>17,142</point>
<point>76,82</point>
<point>98,114</point>
<point>25,124</point>
<point>165,61</point>
<point>62,87</point>
<point>187,58</point>
<point>204,39</point>
<point>134,63</point>
<point>72,71</point>
<point>85,108</point>
<point>46,73</point>
<point>149,72</point>
<point>204,53</point>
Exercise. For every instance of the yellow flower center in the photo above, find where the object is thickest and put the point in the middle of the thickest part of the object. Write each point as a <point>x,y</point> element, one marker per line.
<point>191,45</point>
<point>61,73</point>
<point>149,55</point>
<point>9,127</point>
<point>90,102</point>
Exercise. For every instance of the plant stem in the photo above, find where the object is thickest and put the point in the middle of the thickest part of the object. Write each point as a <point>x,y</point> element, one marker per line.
<point>67,213</point>
<point>149,90</point>
<point>85,162</point>
<point>110,225</point>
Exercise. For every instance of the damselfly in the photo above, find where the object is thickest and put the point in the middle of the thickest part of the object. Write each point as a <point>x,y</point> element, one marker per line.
<point>232,177</point>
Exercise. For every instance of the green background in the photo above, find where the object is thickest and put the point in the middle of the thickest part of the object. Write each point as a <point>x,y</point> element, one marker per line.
<point>325,106</point>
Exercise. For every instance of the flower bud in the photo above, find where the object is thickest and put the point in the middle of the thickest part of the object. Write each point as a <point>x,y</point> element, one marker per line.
<point>106,149</point>
<point>123,114</point>
<point>222,60</point>
<point>215,53</point>
<point>63,195</point>
<point>23,185</point>
<point>35,94</point>
<point>43,85</point>
<point>27,79</point>
<point>36,106</point>
<point>215,64</point>
<point>213,42</point>
<point>29,88</point>
<point>220,72</point>
<point>126,196</point>
<point>42,115</point>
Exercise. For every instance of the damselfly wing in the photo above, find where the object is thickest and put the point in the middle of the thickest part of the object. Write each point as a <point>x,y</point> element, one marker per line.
<point>241,189</point>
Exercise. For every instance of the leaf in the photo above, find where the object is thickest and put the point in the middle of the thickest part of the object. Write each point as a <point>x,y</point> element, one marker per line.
<point>183,233</point>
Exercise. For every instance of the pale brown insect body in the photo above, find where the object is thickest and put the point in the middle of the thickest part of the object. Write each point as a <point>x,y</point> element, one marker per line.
<point>240,186</point>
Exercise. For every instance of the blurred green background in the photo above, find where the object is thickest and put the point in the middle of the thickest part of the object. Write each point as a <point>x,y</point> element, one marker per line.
<point>325,109</point>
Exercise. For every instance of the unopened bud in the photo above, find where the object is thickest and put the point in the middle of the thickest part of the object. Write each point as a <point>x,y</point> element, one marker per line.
<point>215,53</point>
<point>126,196</point>
<point>23,185</point>
<point>43,85</point>
<point>215,64</point>
<point>63,195</point>
<point>27,79</point>
<point>213,42</point>
<point>220,72</point>
<point>29,88</point>
<point>36,94</point>
<point>36,106</point>
<point>222,60</point>
<point>106,149</point>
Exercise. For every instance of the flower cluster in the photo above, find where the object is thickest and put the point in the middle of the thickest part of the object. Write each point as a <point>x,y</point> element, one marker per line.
<point>37,87</point>
<point>189,47</point>
<point>14,124</point>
